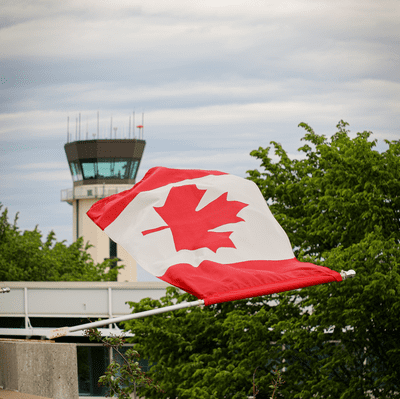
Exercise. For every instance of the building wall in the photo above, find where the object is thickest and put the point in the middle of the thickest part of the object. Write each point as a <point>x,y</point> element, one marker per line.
<point>100,241</point>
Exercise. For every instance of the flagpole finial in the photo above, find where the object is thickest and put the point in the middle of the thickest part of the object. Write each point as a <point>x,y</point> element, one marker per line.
<point>349,274</point>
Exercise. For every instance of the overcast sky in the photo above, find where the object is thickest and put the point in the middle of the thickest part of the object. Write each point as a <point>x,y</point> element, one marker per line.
<point>214,78</point>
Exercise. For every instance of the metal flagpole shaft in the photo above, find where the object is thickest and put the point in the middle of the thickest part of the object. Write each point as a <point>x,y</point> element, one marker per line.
<point>61,332</point>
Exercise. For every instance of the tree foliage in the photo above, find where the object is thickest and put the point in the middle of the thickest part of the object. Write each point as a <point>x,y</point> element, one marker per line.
<point>203,352</point>
<point>125,378</point>
<point>340,192</point>
<point>347,345</point>
<point>339,203</point>
<point>24,256</point>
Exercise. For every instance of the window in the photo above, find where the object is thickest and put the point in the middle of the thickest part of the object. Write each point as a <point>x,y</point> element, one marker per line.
<point>89,170</point>
<point>92,363</point>
<point>93,360</point>
<point>113,249</point>
<point>102,169</point>
<point>75,171</point>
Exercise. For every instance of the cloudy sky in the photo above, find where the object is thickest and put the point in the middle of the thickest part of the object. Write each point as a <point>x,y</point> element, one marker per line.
<point>215,79</point>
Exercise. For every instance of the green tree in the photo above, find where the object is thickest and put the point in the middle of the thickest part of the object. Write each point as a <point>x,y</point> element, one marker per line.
<point>125,378</point>
<point>208,352</point>
<point>345,342</point>
<point>339,204</point>
<point>25,257</point>
<point>340,192</point>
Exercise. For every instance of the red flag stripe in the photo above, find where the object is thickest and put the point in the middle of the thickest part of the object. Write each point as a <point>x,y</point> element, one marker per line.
<point>246,279</point>
<point>105,211</point>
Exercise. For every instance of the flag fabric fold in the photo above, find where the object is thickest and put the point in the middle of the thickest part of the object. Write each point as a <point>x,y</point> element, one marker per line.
<point>207,232</point>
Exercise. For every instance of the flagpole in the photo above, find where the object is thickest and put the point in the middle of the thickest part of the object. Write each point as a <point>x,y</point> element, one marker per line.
<point>347,274</point>
<point>61,332</point>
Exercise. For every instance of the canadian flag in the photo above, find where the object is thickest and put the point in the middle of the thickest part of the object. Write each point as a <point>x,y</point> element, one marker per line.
<point>207,232</point>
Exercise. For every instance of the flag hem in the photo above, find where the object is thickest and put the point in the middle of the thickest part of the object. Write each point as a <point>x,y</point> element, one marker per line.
<point>246,279</point>
<point>270,289</point>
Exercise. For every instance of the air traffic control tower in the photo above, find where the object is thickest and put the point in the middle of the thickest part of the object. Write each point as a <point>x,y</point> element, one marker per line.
<point>99,168</point>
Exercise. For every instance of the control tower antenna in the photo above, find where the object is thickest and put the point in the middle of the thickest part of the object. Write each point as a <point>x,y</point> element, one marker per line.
<point>142,124</point>
<point>140,127</point>
<point>134,124</point>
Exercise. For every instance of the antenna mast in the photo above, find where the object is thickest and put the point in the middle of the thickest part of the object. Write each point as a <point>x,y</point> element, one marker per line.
<point>142,123</point>
<point>133,124</point>
<point>111,128</point>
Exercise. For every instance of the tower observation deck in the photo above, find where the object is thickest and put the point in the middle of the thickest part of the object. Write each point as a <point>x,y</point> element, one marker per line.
<point>100,168</point>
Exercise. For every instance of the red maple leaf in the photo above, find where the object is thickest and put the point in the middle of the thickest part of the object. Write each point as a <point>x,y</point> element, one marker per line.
<point>190,228</point>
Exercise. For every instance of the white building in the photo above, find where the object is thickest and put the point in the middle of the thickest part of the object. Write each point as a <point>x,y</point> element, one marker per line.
<point>33,309</point>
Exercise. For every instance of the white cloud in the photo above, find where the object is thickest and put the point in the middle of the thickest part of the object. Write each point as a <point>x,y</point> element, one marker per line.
<point>193,158</point>
<point>16,179</point>
<point>182,31</point>
<point>32,123</point>
<point>240,106</point>
<point>42,165</point>
<point>215,80</point>
<point>49,176</point>
<point>211,160</point>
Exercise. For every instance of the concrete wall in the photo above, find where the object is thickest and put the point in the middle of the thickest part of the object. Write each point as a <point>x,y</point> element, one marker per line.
<point>6,394</point>
<point>40,368</point>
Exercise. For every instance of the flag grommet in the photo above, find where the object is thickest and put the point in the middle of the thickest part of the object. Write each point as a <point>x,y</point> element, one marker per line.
<point>349,274</point>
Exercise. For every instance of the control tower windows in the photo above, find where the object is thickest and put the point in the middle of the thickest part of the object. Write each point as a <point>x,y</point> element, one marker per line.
<point>103,169</point>
<point>89,170</point>
<point>76,171</point>
<point>114,169</point>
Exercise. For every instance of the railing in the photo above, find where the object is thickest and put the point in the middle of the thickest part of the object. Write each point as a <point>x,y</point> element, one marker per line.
<point>84,192</point>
